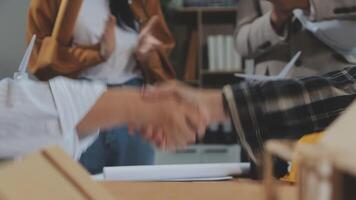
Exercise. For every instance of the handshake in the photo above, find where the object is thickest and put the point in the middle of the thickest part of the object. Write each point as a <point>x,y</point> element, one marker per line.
<point>173,115</point>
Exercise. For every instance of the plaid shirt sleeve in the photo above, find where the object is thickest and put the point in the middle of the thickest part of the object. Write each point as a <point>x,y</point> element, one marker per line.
<point>287,109</point>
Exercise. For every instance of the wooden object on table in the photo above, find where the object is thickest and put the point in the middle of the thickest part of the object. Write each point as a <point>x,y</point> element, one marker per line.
<point>50,174</point>
<point>327,170</point>
<point>242,189</point>
<point>281,149</point>
<point>192,58</point>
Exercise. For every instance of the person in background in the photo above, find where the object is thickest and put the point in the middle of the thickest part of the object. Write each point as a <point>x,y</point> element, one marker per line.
<point>69,113</point>
<point>270,33</point>
<point>116,42</point>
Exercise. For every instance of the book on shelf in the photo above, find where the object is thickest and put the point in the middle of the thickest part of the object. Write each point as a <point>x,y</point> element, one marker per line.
<point>229,51</point>
<point>220,52</point>
<point>212,53</point>
<point>222,55</point>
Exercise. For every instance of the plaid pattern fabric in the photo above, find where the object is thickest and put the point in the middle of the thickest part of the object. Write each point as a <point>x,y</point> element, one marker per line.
<point>288,109</point>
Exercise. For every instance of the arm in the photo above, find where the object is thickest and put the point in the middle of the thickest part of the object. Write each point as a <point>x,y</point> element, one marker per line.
<point>68,60</point>
<point>85,107</point>
<point>70,110</point>
<point>288,109</point>
<point>114,108</point>
<point>126,106</point>
<point>285,109</point>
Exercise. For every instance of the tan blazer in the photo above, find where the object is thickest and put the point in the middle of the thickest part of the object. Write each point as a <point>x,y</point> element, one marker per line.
<point>68,60</point>
<point>255,37</point>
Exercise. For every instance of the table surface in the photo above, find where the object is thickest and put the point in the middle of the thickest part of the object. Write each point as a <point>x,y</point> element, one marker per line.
<point>237,189</point>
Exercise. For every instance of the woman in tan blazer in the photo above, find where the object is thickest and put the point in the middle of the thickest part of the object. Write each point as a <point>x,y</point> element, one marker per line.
<point>73,59</point>
<point>117,42</point>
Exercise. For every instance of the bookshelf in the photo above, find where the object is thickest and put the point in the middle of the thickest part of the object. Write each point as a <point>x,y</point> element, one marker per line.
<point>191,28</point>
<point>204,22</point>
<point>205,9</point>
<point>222,72</point>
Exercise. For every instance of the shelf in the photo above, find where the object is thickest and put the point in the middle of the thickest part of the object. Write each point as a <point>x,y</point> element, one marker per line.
<point>206,9</point>
<point>205,21</point>
<point>208,72</point>
<point>191,82</point>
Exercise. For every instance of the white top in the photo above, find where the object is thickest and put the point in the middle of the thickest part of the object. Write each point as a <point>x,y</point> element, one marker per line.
<point>121,66</point>
<point>34,115</point>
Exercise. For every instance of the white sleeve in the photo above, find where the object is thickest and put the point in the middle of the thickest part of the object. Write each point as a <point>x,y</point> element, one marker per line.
<point>73,100</point>
<point>28,118</point>
<point>34,115</point>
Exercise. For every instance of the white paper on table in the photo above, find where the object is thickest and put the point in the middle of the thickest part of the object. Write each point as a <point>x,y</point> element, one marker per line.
<point>222,178</point>
<point>184,172</point>
<point>100,177</point>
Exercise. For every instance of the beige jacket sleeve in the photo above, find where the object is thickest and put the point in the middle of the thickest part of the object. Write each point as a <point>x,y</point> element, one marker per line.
<point>255,34</point>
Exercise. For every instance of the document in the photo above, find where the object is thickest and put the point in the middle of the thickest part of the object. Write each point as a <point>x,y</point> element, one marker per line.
<point>184,172</point>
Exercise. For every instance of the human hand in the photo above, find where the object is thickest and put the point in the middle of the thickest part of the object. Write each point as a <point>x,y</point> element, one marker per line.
<point>107,43</point>
<point>147,42</point>
<point>168,123</point>
<point>207,102</point>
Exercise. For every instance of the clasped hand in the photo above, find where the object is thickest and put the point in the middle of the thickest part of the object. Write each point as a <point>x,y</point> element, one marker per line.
<point>169,122</point>
<point>180,114</point>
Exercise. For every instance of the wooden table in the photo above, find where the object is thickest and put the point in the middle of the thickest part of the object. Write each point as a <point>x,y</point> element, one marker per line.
<point>238,189</point>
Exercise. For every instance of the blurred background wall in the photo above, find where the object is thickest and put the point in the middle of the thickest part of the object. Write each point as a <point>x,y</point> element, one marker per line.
<point>12,33</point>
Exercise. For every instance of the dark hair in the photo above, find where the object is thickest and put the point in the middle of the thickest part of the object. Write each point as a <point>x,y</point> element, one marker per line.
<point>124,16</point>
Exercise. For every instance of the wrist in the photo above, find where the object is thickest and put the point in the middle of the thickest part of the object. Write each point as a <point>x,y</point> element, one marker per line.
<point>102,50</point>
<point>213,101</point>
<point>131,104</point>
